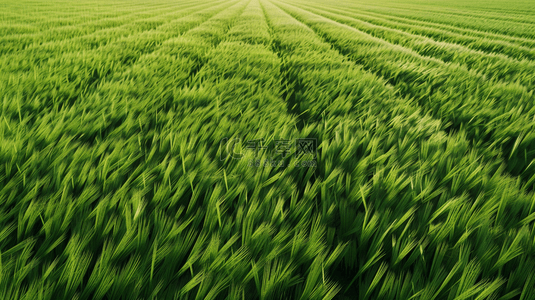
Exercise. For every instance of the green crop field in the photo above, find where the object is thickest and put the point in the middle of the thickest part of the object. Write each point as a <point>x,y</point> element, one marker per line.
<point>267,149</point>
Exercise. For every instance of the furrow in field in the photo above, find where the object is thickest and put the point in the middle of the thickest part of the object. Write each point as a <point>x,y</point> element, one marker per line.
<point>173,155</point>
<point>130,194</point>
<point>141,154</point>
<point>498,68</point>
<point>521,11</point>
<point>34,54</point>
<point>242,77</point>
<point>51,19</point>
<point>502,27</point>
<point>162,72</point>
<point>111,13</point>
<point>502,16</point>
<point>504,12</point>
<point>492,114</point>
<point>375,146</point>
<point>479,40</point>
<point>521,8</point>
<point>65,79</point>
<point>11,29</point>
<point>78,37</point>
<point>519,19</point>
<point>485,8</point>
<point>28,11</point>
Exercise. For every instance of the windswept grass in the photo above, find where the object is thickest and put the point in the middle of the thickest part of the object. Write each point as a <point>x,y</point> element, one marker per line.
<point>126,169</point>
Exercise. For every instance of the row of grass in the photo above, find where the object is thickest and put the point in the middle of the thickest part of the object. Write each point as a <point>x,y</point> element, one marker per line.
<point>276,234</point>
<point>495,66</point>
<point>92,212</point>
<point>462,11</point>
<point>492,60</point>
<point>26,25</point>
<point>505,27</point>
<point>493,115</point>
<point>73,38</point>
<point>39,13</point>
<point>514,47</point>
<point>387,181</point>
<point>65,79</point>
<point>521,7</point>
<point>100,42</point>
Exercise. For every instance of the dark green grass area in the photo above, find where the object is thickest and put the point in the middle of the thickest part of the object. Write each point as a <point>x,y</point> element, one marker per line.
<point>265,149</point>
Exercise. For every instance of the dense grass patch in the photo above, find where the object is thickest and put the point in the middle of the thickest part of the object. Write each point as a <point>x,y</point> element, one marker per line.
<point>266,149</point>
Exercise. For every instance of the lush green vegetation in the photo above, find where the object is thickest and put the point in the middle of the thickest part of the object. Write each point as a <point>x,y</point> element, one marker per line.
<point>126,173</point>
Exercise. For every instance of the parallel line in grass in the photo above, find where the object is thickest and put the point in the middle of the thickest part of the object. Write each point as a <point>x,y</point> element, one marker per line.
<point>502,16</point>
<point>463,13</point>
<point>194,253</point>
<point>402,47</point>
<point>479,12</point>
<point>170,251</point>
<point>387,84</point>
<point>221,72</point>
<point>121,81</point>
<point>462,22</point>
<point>256,215</point>
<point>78,114</point>
<point>51,9</point>
<point>119,11</point>
<point>224,18</point>
<point>52,19</point>
<point>123,14</point>
<point>193,72</point>
<point>106,17</point>
<point>305,127</point>
<point>161,50</point>
<point>423,27</point>
<point>52,41</point>
<point>519,12</point>
<point>458,159</point>
<point>93,82</point>
<point>481,9</point>
<point>499,68</point>
<point>131,36</point>
<point>480,117</point>
<point>267,125</point>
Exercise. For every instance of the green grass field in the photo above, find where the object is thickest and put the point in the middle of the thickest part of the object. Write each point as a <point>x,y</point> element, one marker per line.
<point>267,149</point>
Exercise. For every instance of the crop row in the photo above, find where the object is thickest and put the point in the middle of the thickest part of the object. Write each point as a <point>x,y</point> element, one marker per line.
<point>478,23</point>
<point>105,194</point>
<point>394,188</point>
<point>26,25</point>
<point>462,11</point>
<point>97,42</point>
<point>37,14</point>
<point>65,79</point>
<point>33,12</point>
<point>496,67</point>
<point>492,114</point>
<point>68,38</point>
<point>513,47</point>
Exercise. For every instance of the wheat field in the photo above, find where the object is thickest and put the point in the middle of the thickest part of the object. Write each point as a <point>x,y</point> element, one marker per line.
<point>267,149</point>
